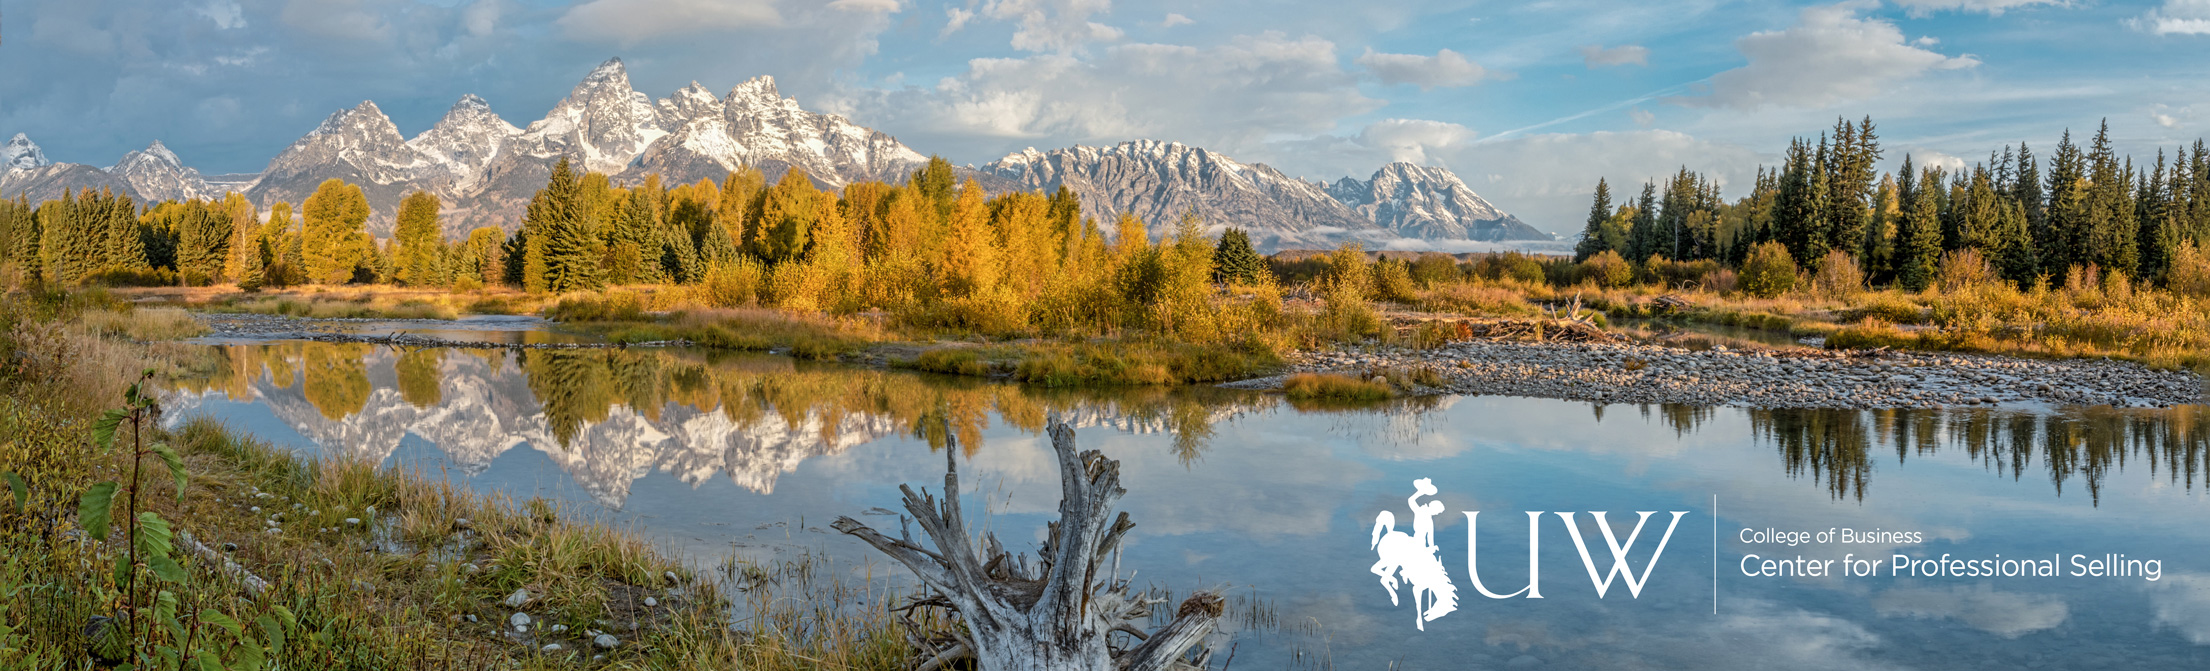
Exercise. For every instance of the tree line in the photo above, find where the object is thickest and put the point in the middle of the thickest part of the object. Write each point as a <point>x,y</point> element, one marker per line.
<point>2085,211</point>
<point>929,246</point>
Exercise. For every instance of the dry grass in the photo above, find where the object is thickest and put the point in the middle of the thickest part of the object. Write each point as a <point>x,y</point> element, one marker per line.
<point>396,588</point>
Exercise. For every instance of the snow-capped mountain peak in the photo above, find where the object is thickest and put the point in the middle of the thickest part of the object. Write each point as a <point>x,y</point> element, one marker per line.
<point>687,103</point>
<point>21,154</point>
<point>464,142</point>
<point>156,174</point>
<point>603,122</point>
<point>1429,202</point>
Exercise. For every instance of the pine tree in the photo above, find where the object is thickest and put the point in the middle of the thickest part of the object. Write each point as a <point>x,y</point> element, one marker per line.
<point>1592,236</point>
<point>2158,233</point>
<point>561,245</point>
<point>203,242</point>
<point>334,239</point>
<point>2064,237</point>
<point>1918,247</point>
<point>514,259</point>
<point>1238,263</point>
<point>420,241</point>
<point>1642,232</point>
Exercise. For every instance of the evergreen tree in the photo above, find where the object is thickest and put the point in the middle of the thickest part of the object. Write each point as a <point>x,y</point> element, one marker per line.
<point>1798,205</point>
<point>562,248</point>
<point>1879,244</point>
<point>1642,232</point>
<point>2111,227</point>
<point>203,242</point>
<point>334,239</point>
<point>1238,263</point>
<point>420,241</point>
<point>513,259</point>
<point>1918,246</point>
<point>2158,232</point>
<point>2064,234</point>
<point>1592,236</point>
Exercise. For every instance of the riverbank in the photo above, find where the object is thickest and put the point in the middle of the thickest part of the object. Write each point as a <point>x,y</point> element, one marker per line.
<point>1635,373</point>
<point>334,564</point>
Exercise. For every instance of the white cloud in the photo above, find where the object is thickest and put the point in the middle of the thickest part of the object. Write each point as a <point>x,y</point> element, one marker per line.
<point>336,20</point>
<point>866,6</point>
<point>1991,7</point>
<point>2171,117</point>
<point>1831,55</point>
<point>955,18</point>
<point>2176,17</point>
<point>1642,117</point>
<point>1173,20</point>
<point>632,22</point>
<point>225,13</point>
<point>2182,602</point>
<point>2004,614</point>
<point>1444,69</point>
<point>481,17</point>
<point>1596,56</point>
<point>1061,26</point>
<point>1228,98</point>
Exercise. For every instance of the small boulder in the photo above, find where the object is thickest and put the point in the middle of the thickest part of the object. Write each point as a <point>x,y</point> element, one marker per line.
<point>519,620</point>
<point>651,602</point>
<point>551,647</point>
<point>518,599</point>
<point>605,641</point>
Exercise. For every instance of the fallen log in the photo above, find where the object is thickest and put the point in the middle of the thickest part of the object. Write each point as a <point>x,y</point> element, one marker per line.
<point>1057,614</point>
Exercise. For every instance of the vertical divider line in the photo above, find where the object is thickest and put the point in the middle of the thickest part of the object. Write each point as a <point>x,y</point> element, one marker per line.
<point>1714,554</point>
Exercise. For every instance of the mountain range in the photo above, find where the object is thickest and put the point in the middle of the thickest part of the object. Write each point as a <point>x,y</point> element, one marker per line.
<point>485,169</point>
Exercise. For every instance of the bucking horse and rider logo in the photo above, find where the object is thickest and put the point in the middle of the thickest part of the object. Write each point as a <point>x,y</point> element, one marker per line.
<point>1414,557</point>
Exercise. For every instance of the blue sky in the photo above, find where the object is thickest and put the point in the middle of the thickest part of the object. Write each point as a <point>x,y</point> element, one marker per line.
<point>1529,102</point>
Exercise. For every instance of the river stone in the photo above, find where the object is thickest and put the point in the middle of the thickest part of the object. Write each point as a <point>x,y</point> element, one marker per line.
<point>651,602</point>
<point>518,599</point>
<point>519,620</point>
<point>551,647</point>
<point>605,641</point>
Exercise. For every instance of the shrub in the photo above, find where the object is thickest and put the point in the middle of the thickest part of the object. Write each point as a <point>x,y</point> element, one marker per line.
<point>1720,280</point>
<point>1435,268</point>
<point>957,361</point>
<point>1393,282</point>
<point>1769,271</point>
<point>733,285</point>
<point>2190,271</point>
<point>1965,269</point>
<point>597,308</point>
<point>1511,266</point>
<point>1608,269</point>
<point>1838,275</point>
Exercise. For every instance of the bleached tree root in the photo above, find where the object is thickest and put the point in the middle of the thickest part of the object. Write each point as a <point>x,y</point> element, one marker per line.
<point>1059,613</point>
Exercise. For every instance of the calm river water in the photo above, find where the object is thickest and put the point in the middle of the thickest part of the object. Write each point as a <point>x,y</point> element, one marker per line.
<point>718,456</point>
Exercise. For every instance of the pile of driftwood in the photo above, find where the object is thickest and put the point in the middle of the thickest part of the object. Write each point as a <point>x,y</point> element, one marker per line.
<point>1535,330</point>
<point>1058,613</point>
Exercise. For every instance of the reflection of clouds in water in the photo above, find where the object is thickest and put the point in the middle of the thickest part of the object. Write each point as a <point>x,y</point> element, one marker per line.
<point>1753,634</point>
<point>2182,603</point>
<point>2005,614</point>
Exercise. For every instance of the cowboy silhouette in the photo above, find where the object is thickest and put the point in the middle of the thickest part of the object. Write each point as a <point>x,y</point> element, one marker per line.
<point>1414,557</point>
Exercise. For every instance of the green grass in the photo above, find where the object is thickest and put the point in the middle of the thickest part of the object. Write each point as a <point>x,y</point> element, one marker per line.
<point>1334,387</point>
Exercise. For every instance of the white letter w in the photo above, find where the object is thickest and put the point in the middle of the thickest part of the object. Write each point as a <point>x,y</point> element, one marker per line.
<point>1619,567</point>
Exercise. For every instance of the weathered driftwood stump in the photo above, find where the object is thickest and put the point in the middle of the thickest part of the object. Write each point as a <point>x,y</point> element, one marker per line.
<point>1060,613</point>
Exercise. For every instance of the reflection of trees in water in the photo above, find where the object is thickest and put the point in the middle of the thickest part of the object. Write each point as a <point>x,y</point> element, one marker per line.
<point>573,386</point>
<point>1835,446</point>
<point>418,377</point>
<point>337,381</point>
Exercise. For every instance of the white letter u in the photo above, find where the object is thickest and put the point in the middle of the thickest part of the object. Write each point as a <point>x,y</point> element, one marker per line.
<point>1533,590</point>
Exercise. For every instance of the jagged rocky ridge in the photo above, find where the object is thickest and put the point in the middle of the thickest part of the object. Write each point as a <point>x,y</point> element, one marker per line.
<point>487,409</point>
<point>485,169</point>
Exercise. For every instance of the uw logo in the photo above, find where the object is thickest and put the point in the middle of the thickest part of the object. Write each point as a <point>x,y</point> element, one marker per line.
<point>1415,559</point>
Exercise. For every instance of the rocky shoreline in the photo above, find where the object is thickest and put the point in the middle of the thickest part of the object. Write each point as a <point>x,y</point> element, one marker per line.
<point>1759,378</point>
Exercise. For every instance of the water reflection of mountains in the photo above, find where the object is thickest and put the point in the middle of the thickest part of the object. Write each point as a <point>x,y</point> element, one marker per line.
<point>1840,448</point>
<point>609,417</point>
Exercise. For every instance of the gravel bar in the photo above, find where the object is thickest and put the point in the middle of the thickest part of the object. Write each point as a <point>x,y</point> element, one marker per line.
<point>1791,378</point>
